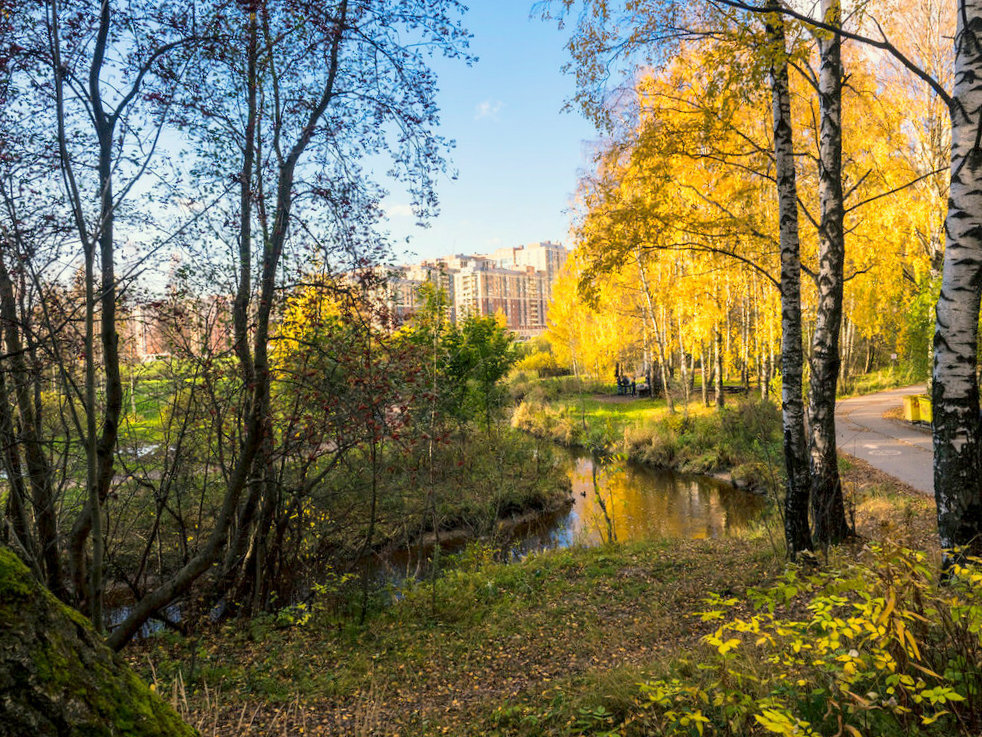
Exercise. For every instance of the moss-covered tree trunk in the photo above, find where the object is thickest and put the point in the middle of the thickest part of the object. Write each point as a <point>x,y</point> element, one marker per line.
<point>57,677</point>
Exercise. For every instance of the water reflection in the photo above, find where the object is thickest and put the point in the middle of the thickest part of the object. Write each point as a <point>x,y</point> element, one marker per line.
<point>624,501</point>
<point>612,501</point>
<point>616,501</point>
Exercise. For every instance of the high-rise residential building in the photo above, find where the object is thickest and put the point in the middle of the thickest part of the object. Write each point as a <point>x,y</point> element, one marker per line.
<point>513,282</point>
<point>543,256</point>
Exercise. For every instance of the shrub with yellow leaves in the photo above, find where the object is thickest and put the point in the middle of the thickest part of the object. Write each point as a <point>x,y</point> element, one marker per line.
<point>872,647</point>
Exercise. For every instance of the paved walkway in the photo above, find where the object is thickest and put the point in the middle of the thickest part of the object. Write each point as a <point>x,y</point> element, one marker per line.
<point>905,452</point>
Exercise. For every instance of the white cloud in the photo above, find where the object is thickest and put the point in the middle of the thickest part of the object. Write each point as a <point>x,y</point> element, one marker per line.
<point>399,211</point>
<point>488,109</point>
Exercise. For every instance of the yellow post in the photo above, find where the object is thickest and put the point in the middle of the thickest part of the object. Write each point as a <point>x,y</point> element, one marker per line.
<point>924,406</point>
<point>912,408</point>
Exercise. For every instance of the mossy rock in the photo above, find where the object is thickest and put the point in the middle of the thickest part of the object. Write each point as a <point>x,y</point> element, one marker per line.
<point>58,678</point>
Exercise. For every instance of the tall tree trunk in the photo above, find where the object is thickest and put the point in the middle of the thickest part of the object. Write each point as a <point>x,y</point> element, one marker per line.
<point>38,469</point>
<point>705,376</point>
<point>765,358</point>
<point>828,510</point>
<point>770,358</point>
<point>718,366</point>
<point>663,364</point>
<point>955,390</point>
<point>745,344</point>
<point>798,483</point>
<point>106,444</point>
<point>657,334</point>
<point>257,422</point>
<point>101,447</point>
<point>848,352</point>
<point>82,526</point>
<point>10,462</point>
<point>235,554</point>
<point>686,387</point>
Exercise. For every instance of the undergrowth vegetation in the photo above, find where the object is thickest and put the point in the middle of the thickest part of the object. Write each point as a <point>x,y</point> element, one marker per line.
<point>660,637</point>
<point>869,647</point>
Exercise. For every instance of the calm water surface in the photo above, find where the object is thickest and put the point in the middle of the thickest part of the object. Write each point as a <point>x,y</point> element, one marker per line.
<point>613,501</point>
<point>620,501</point>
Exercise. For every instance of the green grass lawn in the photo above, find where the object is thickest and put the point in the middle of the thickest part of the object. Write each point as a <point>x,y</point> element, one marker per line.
<point>890,377</point>
<point>612,415</point>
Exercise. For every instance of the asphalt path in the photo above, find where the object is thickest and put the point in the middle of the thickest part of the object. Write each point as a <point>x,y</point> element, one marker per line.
<point>894,447</point>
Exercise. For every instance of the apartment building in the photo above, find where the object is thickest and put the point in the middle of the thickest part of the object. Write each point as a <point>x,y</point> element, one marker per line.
<point>164,328</point>
<point>545,257</point>
<point>513,282</point>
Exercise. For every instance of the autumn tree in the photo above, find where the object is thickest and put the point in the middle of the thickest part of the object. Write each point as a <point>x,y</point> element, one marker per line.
<point>711,203</point>
<point>797,534</point>
<point>955,395</point>
<point>323,86</point>
<point>256,120</point>
<point>104,139</point>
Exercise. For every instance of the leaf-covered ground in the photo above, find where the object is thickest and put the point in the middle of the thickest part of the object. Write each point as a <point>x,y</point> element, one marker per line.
<point>530,648</point>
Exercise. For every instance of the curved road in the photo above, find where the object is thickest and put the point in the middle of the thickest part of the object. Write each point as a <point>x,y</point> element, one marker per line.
<point>902,451</point>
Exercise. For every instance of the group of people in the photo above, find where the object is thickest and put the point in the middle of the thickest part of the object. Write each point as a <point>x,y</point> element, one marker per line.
<point>627,386</point>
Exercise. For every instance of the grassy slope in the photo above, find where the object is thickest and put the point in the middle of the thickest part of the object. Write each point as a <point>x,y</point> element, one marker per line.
<point>526,649</point>
<point>744,439</point>
<point>891,377</point>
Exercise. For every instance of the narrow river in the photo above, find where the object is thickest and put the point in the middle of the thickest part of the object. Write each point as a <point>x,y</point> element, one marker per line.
<point>612,501</point>
<point>615,501</point>
<point>620,501</point>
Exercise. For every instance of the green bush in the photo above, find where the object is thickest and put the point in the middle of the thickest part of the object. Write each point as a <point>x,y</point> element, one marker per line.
<point>541,420</point>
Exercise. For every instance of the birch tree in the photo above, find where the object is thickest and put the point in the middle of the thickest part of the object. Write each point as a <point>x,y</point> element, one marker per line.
<point>798,483</point>
<point>955,389</point>
<point>828,511</point>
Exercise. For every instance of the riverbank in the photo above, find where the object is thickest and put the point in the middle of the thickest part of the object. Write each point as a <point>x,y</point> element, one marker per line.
<point>553,645</point>
<point>741,443</point>
<point>380,518</point>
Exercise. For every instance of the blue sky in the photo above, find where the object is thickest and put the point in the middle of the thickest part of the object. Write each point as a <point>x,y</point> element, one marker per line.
<point>517,153</point>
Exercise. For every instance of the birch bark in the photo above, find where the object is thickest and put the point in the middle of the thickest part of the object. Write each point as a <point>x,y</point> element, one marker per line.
<point>828,510</point>
<point>659,338</point>
<point>718,366</point>
<point>955,389</point>
<point>705,376</point>
<point>797,486</point>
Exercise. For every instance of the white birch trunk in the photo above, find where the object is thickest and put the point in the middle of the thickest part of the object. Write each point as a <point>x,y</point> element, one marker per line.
<point>955,390</point>
<point>828,510</point>
<point>798,483</point>
<point>656,333</point>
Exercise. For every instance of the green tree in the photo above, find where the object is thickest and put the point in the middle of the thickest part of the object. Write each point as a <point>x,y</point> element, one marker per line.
<point>479,353</point>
